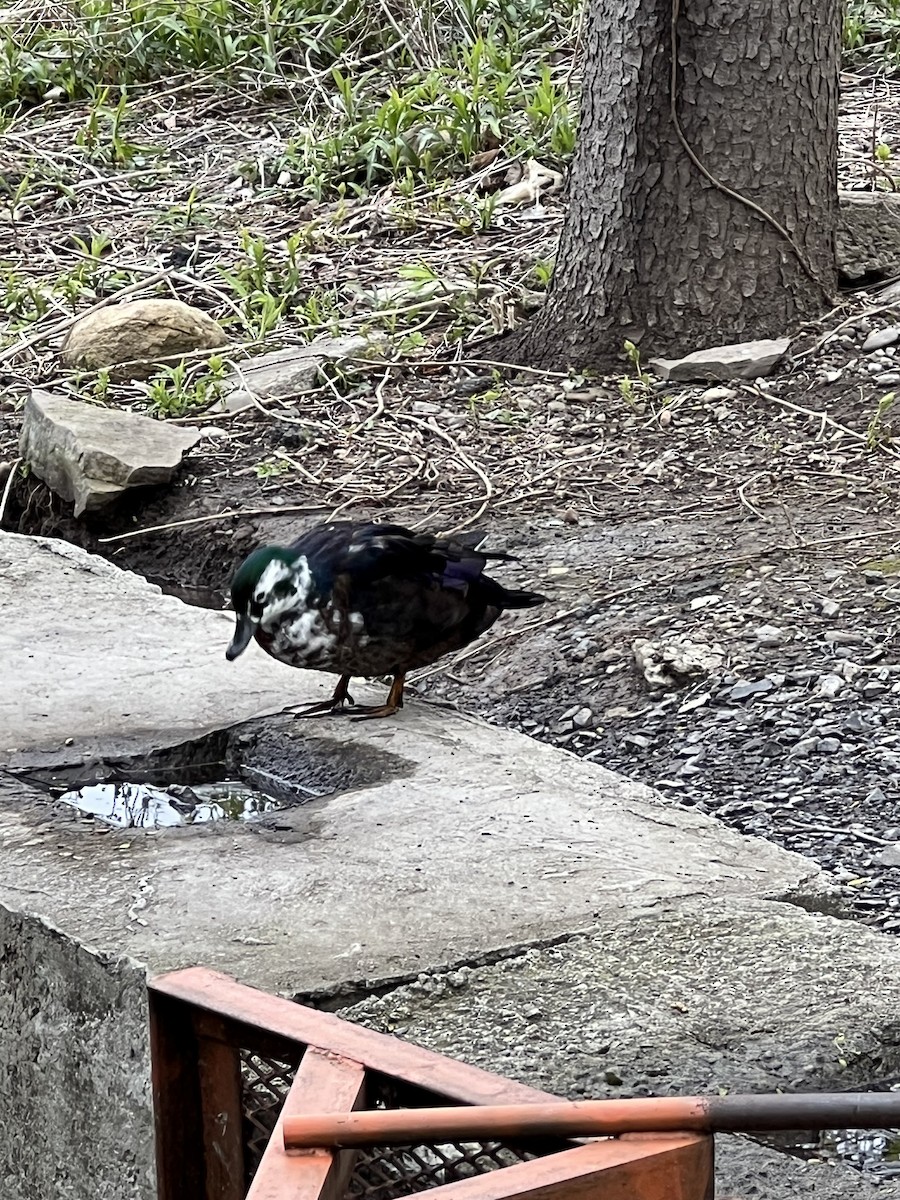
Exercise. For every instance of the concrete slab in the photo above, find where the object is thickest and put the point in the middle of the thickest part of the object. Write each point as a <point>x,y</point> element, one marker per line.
<point>466,841</point>
<point>743,996</point>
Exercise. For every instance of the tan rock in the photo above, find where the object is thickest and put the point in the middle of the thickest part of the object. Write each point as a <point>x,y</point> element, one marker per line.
<point>90,455</point>
<point>141,334</point>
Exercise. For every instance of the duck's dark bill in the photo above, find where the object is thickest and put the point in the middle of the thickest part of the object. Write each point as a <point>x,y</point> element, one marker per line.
<point>241,640</point>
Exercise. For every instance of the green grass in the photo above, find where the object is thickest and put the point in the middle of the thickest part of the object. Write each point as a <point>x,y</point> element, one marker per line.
<point>404,93</point>
<point>872,32</point>
<point>364,96</point>
<point>407,93</point>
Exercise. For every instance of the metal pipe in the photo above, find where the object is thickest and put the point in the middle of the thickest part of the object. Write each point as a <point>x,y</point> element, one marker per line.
<point>594,1118</point>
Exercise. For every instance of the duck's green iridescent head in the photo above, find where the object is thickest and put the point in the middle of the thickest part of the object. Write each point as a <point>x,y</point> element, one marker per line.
<point>255,582</point>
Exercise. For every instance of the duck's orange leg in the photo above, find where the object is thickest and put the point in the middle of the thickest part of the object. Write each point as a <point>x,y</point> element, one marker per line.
<point>334,705</point>
<point>391,705</point>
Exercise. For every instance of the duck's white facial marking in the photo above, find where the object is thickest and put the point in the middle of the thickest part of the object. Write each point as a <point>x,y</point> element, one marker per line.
<point>280,589</point>
<point>300,634</point>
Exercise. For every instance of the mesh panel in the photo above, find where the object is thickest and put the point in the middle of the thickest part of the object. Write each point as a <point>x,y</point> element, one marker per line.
<point>266,1083</point>
<point>380,1172</point>
<point>387,1172</point>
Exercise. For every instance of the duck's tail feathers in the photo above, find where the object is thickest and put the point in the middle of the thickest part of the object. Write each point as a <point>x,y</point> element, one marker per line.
<point>522,599</point>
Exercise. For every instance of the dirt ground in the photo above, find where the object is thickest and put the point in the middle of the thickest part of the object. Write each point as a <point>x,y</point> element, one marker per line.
<point>747,531</point>
<point>706,514</point>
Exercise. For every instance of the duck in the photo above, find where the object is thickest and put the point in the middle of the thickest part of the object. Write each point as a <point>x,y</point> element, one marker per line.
<point>367,599</point>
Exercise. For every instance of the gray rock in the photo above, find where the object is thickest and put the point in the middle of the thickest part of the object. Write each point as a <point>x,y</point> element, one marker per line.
<point>872,689</point>
<point>90,455</point>
<point>844,637</point>
<point>638,740</point>
<point>879,338</point>
<point>741,691</point>
<point>665,663</point>
<point>771,635</point>
<point>742,360</point>
<point>234,402</point>
<point>288,371</point>
<point>829,686</point>
<point>890,856</point>
<point>829,745</point>
<point>134,338</point>
<point>888,379</point>
<point>804,747</point>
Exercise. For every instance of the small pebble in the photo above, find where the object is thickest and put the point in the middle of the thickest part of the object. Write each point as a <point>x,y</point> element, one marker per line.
<point>771,635</point>
<point>741,691</point>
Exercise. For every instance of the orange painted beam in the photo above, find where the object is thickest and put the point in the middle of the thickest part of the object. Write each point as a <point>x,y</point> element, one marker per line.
<point>214,992</point>
<point>671,1167</point>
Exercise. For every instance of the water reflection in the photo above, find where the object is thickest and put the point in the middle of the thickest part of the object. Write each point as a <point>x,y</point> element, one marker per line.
<point>145,806</point>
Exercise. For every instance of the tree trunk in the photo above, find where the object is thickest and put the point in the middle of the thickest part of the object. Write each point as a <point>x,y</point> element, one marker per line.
<point>652,250</point>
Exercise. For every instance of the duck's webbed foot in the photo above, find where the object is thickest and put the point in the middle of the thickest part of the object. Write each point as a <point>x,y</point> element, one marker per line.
<point>324,708</point>
<point>393,703</point>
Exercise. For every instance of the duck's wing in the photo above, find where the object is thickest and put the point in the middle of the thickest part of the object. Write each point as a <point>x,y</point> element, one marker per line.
<point>371,551</point>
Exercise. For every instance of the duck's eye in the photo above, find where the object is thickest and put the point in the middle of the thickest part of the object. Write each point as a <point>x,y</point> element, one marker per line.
<point>256,608</point>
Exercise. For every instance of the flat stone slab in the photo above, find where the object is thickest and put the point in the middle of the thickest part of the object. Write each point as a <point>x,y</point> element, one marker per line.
<point>292,369</point>
<point>742,360</point>
<point>741,995</point>
<point>465,839</point>
<point>90,455</point>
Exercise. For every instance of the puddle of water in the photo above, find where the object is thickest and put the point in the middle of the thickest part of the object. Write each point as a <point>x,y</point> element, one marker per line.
<point>235,774</point>
<point>875,1151</point>
<point>196,596</point>
<point>145,806</point>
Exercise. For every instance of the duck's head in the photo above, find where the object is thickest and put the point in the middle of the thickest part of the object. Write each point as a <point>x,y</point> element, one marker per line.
<point>268,582</point>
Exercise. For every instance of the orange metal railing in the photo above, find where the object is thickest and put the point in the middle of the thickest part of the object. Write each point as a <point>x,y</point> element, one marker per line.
<point>234,1069</point>
<point>597,1118</point>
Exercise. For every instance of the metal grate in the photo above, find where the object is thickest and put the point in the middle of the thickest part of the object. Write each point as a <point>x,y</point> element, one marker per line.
<point>266,1082</point>
<point>382,1172</point>
<point>389,1172</point>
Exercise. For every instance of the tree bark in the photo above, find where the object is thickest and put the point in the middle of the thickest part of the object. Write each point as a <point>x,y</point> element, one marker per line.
<point>652,250</point>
